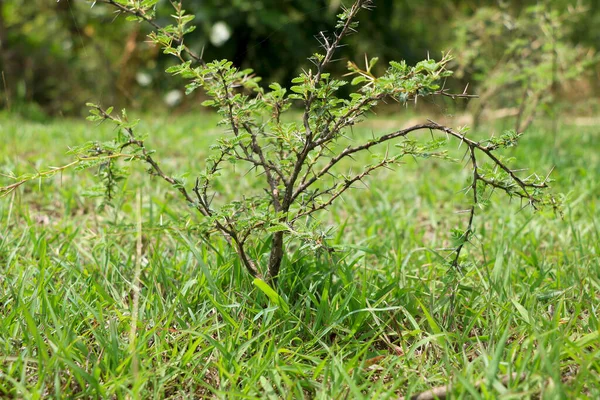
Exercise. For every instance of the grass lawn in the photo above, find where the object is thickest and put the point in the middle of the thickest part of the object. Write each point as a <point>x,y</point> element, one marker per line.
<point>379,318</point>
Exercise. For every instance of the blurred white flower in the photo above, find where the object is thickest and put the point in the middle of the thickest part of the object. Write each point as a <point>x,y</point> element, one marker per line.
<point>67,45</point>
<point>143,78</point>
<point>173,98</point>
<point>219,33</point>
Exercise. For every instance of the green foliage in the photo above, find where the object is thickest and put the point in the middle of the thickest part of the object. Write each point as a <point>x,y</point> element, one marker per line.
<point>42,39</point>
<point>521,60</point>
<point>379,317</point>
<point>43,42</point>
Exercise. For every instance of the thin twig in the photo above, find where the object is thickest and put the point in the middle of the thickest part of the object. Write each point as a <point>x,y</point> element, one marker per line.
<point>442,392</point>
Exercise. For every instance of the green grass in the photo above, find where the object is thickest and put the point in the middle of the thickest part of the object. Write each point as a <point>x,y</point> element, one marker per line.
<point>381,317</point>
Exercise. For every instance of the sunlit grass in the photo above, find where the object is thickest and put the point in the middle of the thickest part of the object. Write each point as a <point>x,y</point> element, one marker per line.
<point>378,318</point>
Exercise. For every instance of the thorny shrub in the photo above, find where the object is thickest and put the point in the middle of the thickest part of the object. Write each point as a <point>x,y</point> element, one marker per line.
<point>295,162</point>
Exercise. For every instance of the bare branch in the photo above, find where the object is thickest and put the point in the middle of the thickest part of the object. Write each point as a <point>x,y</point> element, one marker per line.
<point>330,51</point>
<point>469,231</point>
<point>351,150</point>
<point>348,182</point>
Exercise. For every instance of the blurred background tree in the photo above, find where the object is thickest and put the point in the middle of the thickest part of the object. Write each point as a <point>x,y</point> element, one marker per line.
<point>535,57</point>
<point>55,56</point>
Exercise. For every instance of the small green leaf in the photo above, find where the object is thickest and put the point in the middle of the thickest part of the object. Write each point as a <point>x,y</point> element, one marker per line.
<point>358,79</point>
<point>372,62</point>
<point>278,228</point>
